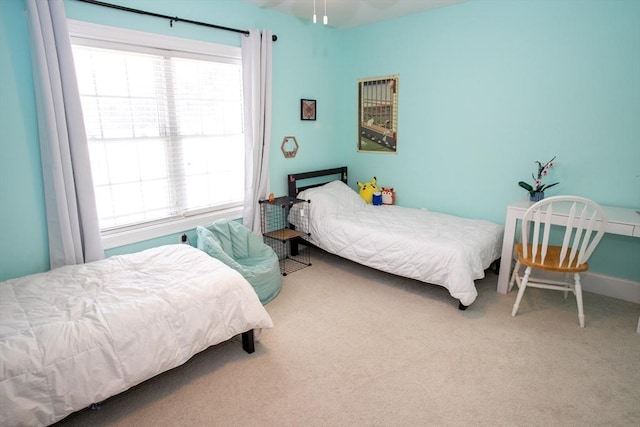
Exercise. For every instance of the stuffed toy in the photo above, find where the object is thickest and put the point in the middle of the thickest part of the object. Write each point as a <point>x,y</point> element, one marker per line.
<point>367,189</point>
<point>388,196</point>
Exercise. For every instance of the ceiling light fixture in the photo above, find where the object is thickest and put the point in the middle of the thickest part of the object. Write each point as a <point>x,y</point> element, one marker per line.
<point>325,20</point>
<point>314,11</point>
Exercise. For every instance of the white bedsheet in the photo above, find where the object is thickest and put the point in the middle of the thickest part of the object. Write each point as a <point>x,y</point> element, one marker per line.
<point>79,334</point>
<point>431,247</point>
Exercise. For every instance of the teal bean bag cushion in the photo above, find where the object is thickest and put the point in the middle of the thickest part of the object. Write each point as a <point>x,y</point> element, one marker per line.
<point>236,246</point>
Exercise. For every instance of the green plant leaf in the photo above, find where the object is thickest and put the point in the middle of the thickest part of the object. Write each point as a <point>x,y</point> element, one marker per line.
<point>526,186</point>
<point>550,185</point>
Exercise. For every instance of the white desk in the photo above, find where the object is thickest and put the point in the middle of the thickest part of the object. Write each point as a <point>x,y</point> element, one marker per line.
<point>625,222</point>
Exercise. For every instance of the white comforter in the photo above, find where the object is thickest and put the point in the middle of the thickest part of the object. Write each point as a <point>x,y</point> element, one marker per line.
<point>79,334</point>
<point>431,247</point>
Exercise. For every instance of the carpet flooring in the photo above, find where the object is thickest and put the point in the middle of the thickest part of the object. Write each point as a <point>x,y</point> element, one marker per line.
<point>352,346</point>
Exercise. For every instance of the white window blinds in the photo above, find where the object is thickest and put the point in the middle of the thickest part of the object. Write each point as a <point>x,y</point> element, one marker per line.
<point>165,131</point>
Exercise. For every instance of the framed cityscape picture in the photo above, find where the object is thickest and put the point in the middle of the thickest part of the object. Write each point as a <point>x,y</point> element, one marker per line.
<point>307,109</point>
<point>378,114</point>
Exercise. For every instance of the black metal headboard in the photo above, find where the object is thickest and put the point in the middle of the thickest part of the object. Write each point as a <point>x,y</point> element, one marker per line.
<point>323,176</point>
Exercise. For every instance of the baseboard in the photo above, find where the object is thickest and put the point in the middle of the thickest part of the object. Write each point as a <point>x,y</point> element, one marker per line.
<point>613,287</point>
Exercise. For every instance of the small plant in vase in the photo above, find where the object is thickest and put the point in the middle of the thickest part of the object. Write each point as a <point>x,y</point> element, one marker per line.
<point>536,191</point>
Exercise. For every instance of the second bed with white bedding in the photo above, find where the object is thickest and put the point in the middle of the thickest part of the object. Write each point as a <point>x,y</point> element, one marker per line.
<point>428,246</point>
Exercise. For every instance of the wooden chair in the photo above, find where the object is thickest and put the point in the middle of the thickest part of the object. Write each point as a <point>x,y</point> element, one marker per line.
<point>583,221</point>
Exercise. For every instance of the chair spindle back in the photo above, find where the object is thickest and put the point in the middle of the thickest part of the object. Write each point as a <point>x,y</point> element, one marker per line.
<point>585,225</point>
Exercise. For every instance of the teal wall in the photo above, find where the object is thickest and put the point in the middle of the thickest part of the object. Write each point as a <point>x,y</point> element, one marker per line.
<point>486,88</point>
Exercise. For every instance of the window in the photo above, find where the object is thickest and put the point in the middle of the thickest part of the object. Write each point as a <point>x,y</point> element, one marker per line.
<point>164,123</point>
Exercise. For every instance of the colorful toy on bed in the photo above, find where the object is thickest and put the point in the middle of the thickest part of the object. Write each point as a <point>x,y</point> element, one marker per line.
<point>367,189</point>
<point>376,200</point>
<point>388,196</point>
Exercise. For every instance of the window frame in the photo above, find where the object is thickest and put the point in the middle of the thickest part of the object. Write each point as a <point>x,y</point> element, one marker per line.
<point>80,32</point>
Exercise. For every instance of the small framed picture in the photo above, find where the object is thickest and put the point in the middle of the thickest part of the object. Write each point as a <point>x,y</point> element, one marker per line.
<point>307,109</point>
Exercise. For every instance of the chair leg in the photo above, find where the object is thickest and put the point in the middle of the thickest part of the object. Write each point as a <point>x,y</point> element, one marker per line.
<point>566,279</point>
<point>523,286</point>
<point>578,292</point>
<point>514,276</point>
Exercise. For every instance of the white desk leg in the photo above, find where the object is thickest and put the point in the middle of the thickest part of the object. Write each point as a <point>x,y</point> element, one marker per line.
<point>507,252</point>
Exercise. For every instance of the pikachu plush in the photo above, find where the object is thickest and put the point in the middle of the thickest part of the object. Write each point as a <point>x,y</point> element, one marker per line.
<point>367,189</point>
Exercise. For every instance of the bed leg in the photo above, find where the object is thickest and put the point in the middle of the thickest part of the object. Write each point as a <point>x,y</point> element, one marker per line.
<point>496,266</point>
<point>461,306</point>
<point>247,342</point>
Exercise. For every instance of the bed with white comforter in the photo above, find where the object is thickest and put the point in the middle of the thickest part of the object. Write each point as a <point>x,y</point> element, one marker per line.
<point>79,334</point>
<point>428,246</point>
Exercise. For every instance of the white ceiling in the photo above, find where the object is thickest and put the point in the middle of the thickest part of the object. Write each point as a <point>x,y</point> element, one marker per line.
<point>352,13</point>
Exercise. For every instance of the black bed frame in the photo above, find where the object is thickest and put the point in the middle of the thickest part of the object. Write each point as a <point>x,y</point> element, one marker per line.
<point>326,174</point>
<point>293,179</point>
<point>248,343</point>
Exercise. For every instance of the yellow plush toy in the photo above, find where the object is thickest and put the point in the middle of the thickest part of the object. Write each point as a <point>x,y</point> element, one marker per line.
<point>367,189</point>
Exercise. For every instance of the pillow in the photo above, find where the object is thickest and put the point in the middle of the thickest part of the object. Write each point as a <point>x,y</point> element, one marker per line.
<point>347,198</point>
<point>331,198</point>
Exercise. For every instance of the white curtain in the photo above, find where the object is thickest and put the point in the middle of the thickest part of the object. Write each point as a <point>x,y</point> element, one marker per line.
<point>72,220</point>
<point>256,70</point>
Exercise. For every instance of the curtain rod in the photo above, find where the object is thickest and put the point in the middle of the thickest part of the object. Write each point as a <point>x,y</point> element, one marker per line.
<point>171,19</point>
